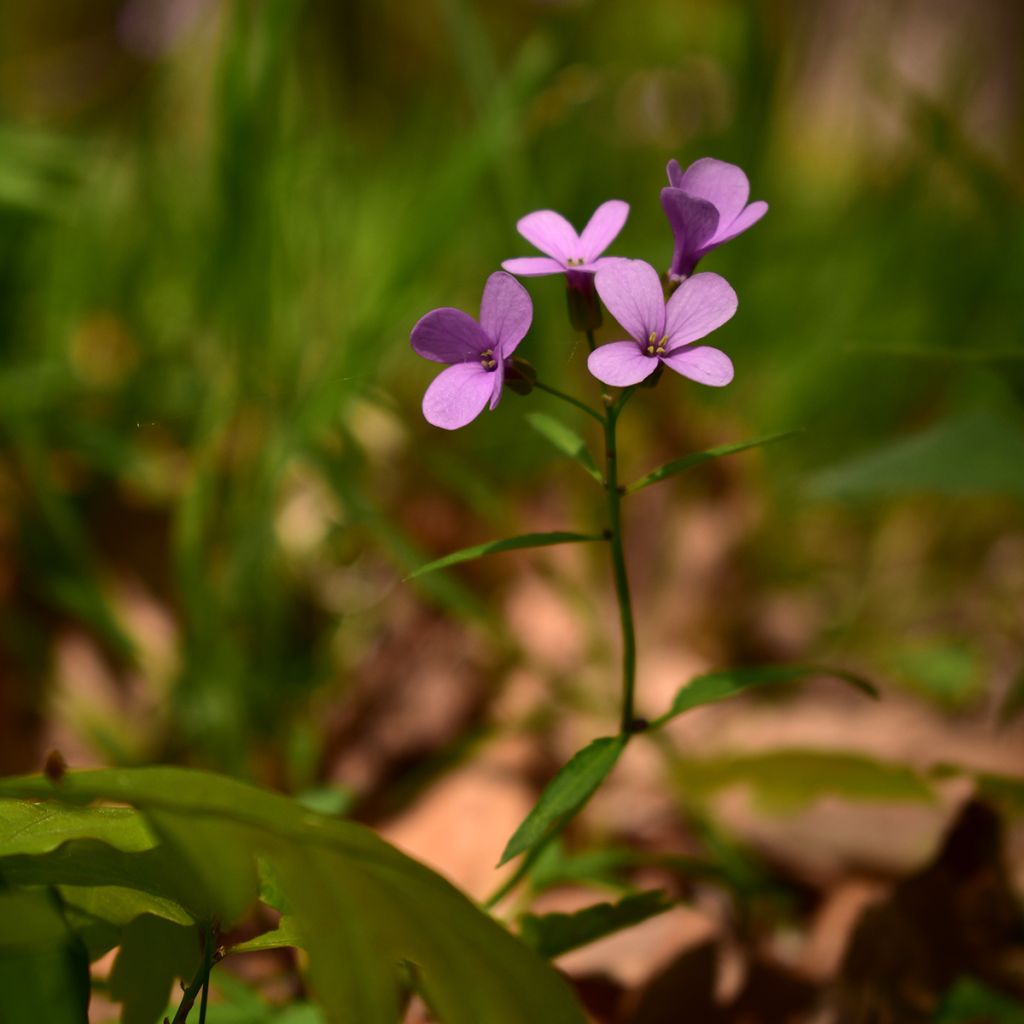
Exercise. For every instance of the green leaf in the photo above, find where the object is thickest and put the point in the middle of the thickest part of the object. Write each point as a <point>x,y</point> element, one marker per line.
<point>566,440</point>
<point>716,686</point>
<point>971,1001</point>
<point>285,934</point>
<point>785,781</point>
<point>553,934</point>
<point>493,547</point>
<point>972,454</point>
<point>154,953</point>
<point>360,906</point>
<point>39,828</point>
<point>566,794</point>
<point>696,458</point>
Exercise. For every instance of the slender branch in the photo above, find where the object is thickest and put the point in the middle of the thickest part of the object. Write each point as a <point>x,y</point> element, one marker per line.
<point>572,401</point>
<point>199,983</point>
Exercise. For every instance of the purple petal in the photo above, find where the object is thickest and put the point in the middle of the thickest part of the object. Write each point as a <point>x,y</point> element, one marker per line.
<point>723,185</point>
<point>675,173</point>
<point>533,266</point>
<point>457,395</point>
<point>602,228</point>
<point>497,383</point>
<point>699,305</point>
<point>702,363</point>
<point>693,222</point>
<point>748,218</point>
<point>631,289</point>
<point>621,363</point>
<point>448,335</point>
<point>551,233</point>
<point>505,313</point>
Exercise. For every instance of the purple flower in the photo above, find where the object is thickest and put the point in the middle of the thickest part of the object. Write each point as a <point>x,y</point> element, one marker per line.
<point>706,205</point>
<point>476,352</point>
<point>566,251</point>
<point>662,332</point>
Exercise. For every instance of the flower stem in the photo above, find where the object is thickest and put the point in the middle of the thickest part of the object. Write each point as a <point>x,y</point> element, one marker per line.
<point>201,981</point>
<point>628,724</point>
<point>572,401</point>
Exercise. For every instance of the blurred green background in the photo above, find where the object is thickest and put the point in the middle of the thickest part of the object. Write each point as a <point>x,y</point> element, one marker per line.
<point>219,221</point>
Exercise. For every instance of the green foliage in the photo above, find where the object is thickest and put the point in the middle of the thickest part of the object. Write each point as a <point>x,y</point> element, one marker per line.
<point>971,1001</point>
<point>786,781</point>
<point>716,686</point>
<point>565,794</point>
<point>553,934</point>
<point>359,907</point>
<point>493,547</point>
<point>565,440</point>
<point>696,458</point>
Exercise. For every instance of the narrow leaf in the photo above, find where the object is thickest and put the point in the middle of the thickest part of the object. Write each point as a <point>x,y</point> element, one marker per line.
<point>566,440</point>
<point>566,794</point>
<point>285,934</point>
<point>493,547</point>
<point>696,458</point>
<point>716,686</point>
<point>550,935</point>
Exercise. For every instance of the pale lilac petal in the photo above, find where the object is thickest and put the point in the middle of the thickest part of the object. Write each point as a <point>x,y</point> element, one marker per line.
<point>699,305</point>
<point>621,364</point>
<point>602,228</point>
<point>448,335</point>
<point>631,290</point>
<point>693,222</point>
<point>675,173</point>
<point>551,233</point>
<point>723,185</point>
<point>505,313</point>
<point>702,363</point>
<point>497,383</point>
<point>533,266</point>
<point>457,395</point>
<point>748,218</point>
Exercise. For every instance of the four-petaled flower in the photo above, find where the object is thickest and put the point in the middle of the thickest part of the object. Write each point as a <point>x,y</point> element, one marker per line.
<point>476,352</point>
<point>566,251</point>
<point>706,205</point>
<point>662,333</point>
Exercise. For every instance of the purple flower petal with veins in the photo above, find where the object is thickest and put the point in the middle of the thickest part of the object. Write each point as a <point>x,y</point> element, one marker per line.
<point>565,251</point>
<point>662,333</point>
<point>476,352</point>
<point>706,205</point>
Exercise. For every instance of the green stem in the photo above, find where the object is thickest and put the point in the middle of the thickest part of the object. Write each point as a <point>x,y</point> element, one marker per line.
<point>627,723</point>
<point>199,983</point>
<point>529,859</point>
<point>572,401</point>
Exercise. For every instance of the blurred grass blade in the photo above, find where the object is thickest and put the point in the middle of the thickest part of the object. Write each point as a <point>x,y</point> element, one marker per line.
<point>566,794</point>
<point>696,458</point>
<point>716,686</point>
<point>551,935</point>
<point>566,440</point>
<point>493,547</point>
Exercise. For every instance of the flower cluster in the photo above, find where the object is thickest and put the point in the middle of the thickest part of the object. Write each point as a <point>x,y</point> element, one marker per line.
<point>706,205</point>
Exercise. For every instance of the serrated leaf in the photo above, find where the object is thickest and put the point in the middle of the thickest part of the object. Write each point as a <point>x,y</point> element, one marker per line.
<point>785,781</point>
<point>361,906</point>
<point>566,793</point>
<point>696,458</point>
<point>494,547</point>
<point>717,686</point>
<point>551,935</point>
<point>565,440</point>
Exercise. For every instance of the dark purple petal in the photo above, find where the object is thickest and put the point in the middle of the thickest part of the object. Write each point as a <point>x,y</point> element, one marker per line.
<point>723,185</point>
<point>505,313</point>
<point>699,305</point>
<point>675,173</point>
<point>551,233</point>
<point>693,222</point>
<point>701,363</point>
<point>621,364</point>
<point>457,395</point>
<point>448,335</point>
<point>602,228</point>
<point>533,266</point>
<point>748,218</point>
<point>631,290</point>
